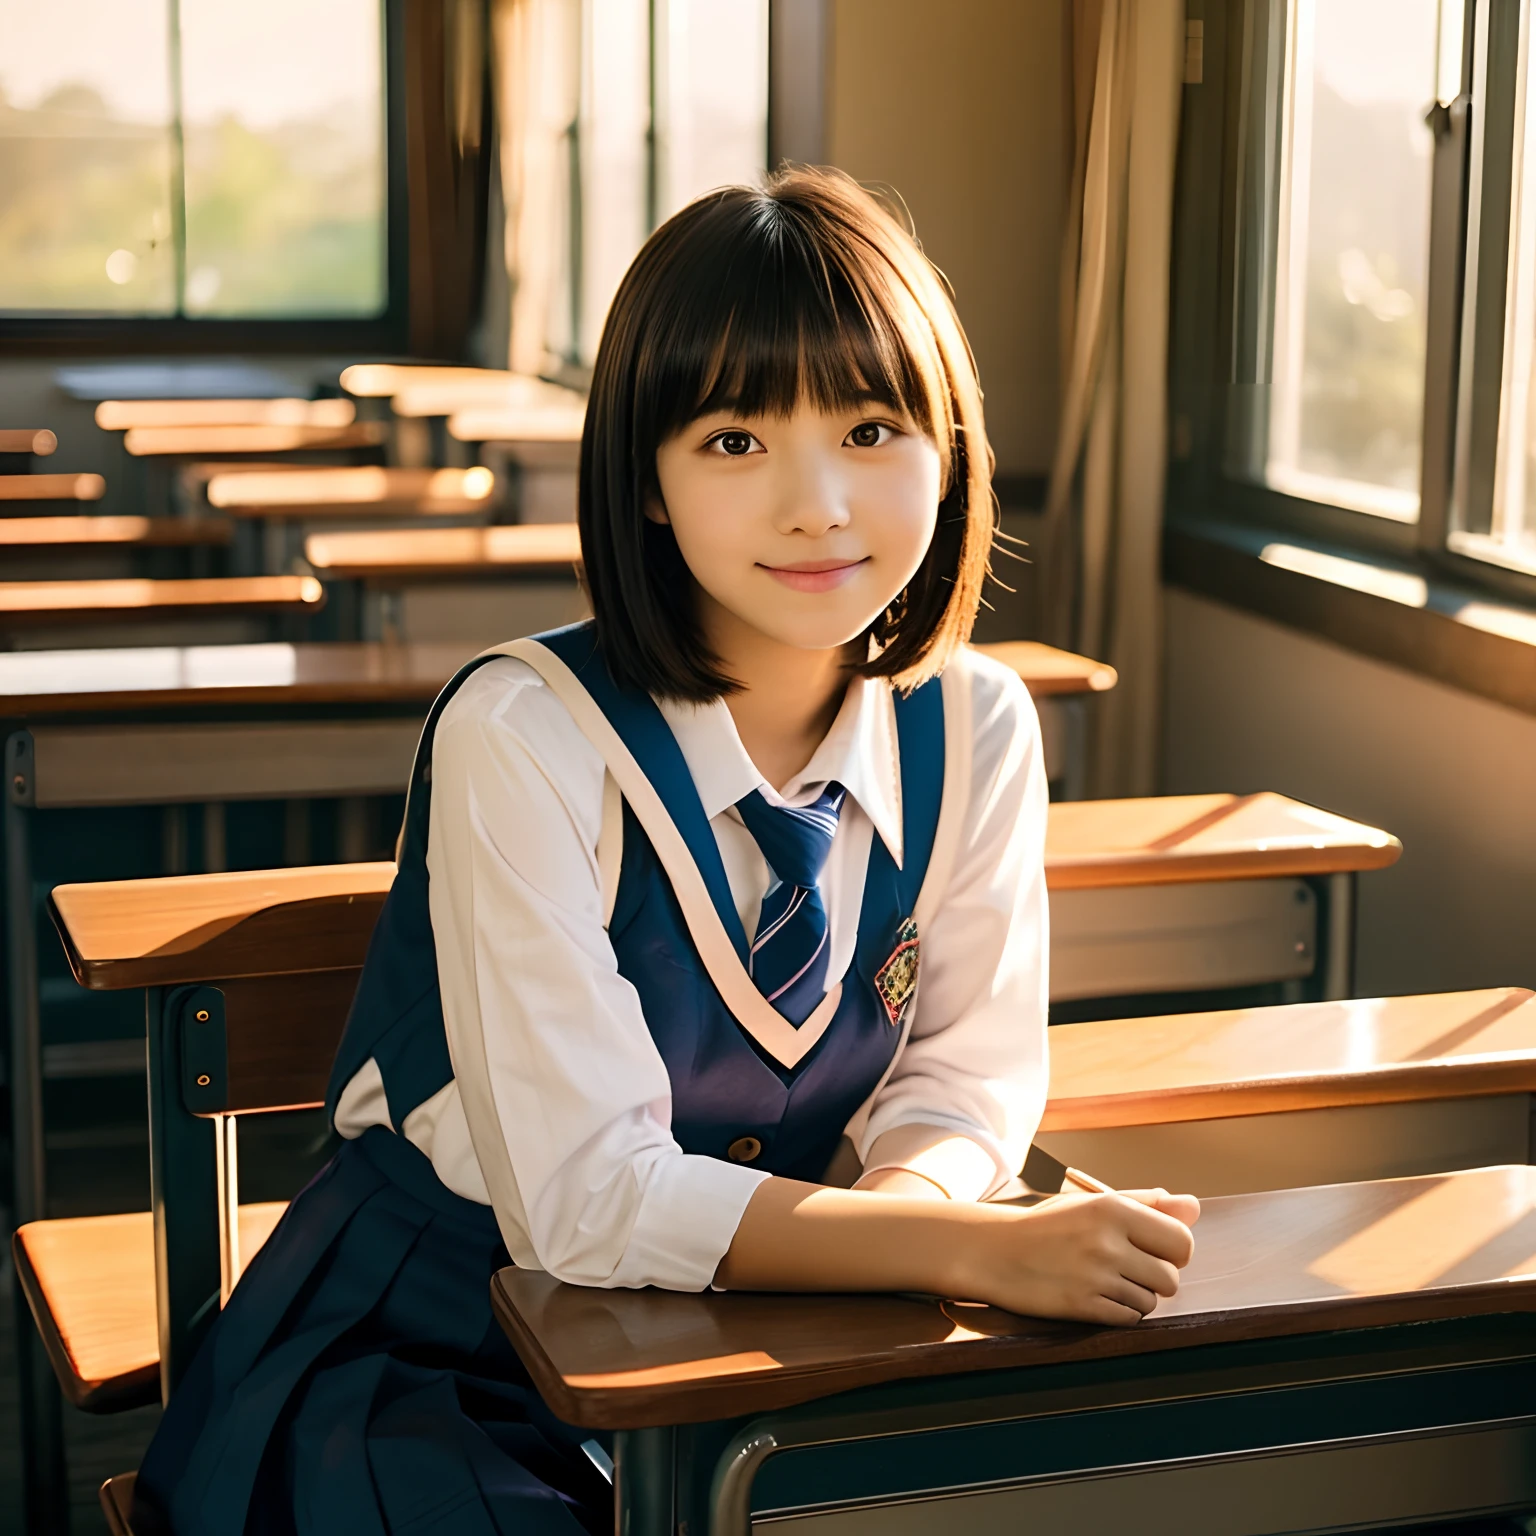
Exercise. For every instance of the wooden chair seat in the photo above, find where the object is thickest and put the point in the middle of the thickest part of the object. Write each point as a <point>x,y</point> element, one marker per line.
<point>33,603</point>
<point>90,1283</point>
<point>52,487</point>
<point>81,532</point>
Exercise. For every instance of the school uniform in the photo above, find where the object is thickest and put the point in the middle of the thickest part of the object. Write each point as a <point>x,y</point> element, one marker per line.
<point>584,1034</point>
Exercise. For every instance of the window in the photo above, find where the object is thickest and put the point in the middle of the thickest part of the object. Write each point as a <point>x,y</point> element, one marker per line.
<point>1334,413</point>
<point>192,158</point>
<point>1379,351</point>
<point>615,113</point>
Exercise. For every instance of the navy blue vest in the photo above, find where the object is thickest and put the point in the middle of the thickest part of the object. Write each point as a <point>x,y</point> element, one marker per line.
<point>724,1085</point>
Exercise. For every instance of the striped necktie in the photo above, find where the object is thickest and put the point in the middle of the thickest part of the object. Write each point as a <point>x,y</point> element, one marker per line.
<point>788,960</point>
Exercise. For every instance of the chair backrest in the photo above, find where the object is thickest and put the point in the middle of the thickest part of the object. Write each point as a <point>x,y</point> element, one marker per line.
<point>248,979</point>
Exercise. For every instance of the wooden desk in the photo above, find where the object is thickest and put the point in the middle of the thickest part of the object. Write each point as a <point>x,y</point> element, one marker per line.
<point>1264,1098</point>
<point>38,441</point>
<point>366,490</point>
<point>1336,1358</point>
<point>33,603</point>
<point>101,685</point>
<point>1049,672</point>
<point>382,380</point>
<point>83,532</point>
<point>256,438</point>
<point>125,415</point>
<point>541,423</point>
<point>402,555</point>
<point>52,487</point>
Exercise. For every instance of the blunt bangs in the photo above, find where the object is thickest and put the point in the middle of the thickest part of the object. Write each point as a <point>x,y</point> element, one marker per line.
<point>757,302</point>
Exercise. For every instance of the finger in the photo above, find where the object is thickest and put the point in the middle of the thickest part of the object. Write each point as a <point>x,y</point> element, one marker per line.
<point>1185,1208</point>
<point>1156,1275</point>
<point>1161,1236</point>
<point>1128,1294</point>
<point>1113,1314</point>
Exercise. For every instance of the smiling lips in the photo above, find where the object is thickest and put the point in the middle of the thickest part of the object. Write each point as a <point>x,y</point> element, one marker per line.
<point>815,575</point>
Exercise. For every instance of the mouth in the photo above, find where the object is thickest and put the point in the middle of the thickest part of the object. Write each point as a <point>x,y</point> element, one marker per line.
<point>815,575</point>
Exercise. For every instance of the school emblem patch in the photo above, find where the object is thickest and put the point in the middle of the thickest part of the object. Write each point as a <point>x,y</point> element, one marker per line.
<point>896,980</point>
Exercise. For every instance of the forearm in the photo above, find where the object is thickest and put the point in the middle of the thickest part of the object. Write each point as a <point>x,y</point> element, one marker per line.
<point>804,1237</point>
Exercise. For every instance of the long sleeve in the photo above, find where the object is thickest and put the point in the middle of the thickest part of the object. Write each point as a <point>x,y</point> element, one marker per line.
<point>975,1062</point>
<point>565,1096</point>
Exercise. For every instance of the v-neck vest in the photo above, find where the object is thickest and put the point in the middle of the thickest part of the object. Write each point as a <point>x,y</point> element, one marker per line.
<point>743,1078</point>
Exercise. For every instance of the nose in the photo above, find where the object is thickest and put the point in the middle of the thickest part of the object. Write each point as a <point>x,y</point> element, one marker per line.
<point>813,498</point>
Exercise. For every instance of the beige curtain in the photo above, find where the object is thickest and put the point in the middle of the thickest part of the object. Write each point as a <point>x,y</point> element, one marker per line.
<point>1105,504</point>
<point>537,60</point>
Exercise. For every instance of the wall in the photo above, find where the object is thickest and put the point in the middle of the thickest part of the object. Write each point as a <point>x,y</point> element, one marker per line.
<point>959,106</point>
<point>1254,705</point>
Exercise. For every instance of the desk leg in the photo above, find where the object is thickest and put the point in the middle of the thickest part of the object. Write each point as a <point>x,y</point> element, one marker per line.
<point>1336,935</point>
<point>45,1488</point>
<point>183,1190</point>
<point>645,1482</point>
<point>1074,713</point>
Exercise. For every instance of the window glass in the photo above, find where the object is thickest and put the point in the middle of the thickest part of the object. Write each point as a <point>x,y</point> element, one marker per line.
<point>276,207</point>
<point>1511,533</point>
<point>283,110</point>
<point>85,157</point>
<point>1337,414</point>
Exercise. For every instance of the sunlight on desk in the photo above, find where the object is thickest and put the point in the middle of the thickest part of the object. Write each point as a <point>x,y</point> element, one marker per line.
<point>366,487</point>
<point>120,415</point>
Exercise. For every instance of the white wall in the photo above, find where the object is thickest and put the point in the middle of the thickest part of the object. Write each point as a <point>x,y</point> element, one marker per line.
<point>1253,705</point>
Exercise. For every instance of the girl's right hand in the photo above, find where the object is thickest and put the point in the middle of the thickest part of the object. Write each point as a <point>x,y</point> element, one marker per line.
<point>1091,1258</point>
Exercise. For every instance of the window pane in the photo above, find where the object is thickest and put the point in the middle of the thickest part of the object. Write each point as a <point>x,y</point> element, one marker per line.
<point>1511,536</point>
<point>85,157</point>
<point>712,96</point>
<point>284,133</point>
<point>1342,419</point>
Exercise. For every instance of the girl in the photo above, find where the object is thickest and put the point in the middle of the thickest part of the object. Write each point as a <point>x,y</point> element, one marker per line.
<point>703,909</point>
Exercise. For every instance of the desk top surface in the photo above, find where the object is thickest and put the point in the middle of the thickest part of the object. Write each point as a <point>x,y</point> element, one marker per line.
<point>39,441</point>
<point>1048,671</point>
<point>442,553</point>
<point>91,532</point>
<point>52,487</point>
<point>1081,866</point>
<point>1286,1262</point>
<point>290,490</point>
<point>136,933</point>
<point>1244,1061</point>
<point>121,415</point>
<point>40,601</point>
<point>128,679</point>
<point>1170,839</point>
<point>150,442</point>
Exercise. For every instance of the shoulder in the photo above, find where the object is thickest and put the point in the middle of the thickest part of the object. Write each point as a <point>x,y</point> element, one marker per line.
<point>504,708</point>
<point>1003,721</point>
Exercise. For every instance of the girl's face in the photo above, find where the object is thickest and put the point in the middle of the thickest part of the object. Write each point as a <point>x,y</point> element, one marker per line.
<point>802,527</point>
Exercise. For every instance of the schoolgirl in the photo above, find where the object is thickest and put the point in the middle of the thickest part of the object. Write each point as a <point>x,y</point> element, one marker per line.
<point>725,899</point>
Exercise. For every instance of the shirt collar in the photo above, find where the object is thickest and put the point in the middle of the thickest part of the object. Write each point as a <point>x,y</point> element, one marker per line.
<point>859,752</point>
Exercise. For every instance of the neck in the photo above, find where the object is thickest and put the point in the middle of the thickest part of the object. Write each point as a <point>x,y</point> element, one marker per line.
<point>788,699</point>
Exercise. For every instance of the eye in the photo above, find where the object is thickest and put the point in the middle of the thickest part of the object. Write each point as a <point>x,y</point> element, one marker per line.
<point>734,443</point>
<point>869,434</point>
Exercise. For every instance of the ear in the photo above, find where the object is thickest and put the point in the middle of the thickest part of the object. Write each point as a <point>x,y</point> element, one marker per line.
<point>655,509</point>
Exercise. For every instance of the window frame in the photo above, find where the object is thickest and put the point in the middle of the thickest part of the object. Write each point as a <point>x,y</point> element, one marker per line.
<point>1211,245</point>
<point>109,335</point>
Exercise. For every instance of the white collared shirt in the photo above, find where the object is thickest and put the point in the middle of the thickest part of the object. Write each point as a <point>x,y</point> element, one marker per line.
<point>600,1193</point>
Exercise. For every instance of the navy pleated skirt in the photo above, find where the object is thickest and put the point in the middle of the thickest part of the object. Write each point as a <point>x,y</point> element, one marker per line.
<point>358,1382</point>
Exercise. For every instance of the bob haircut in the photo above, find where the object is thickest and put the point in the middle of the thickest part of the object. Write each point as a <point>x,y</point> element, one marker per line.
<point>754,300</point>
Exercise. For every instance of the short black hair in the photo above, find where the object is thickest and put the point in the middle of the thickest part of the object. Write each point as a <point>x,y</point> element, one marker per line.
<point>752,299</point>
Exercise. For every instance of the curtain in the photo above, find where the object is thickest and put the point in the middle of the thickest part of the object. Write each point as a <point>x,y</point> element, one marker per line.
<point>1104,507</point>
<point>447,170</point>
